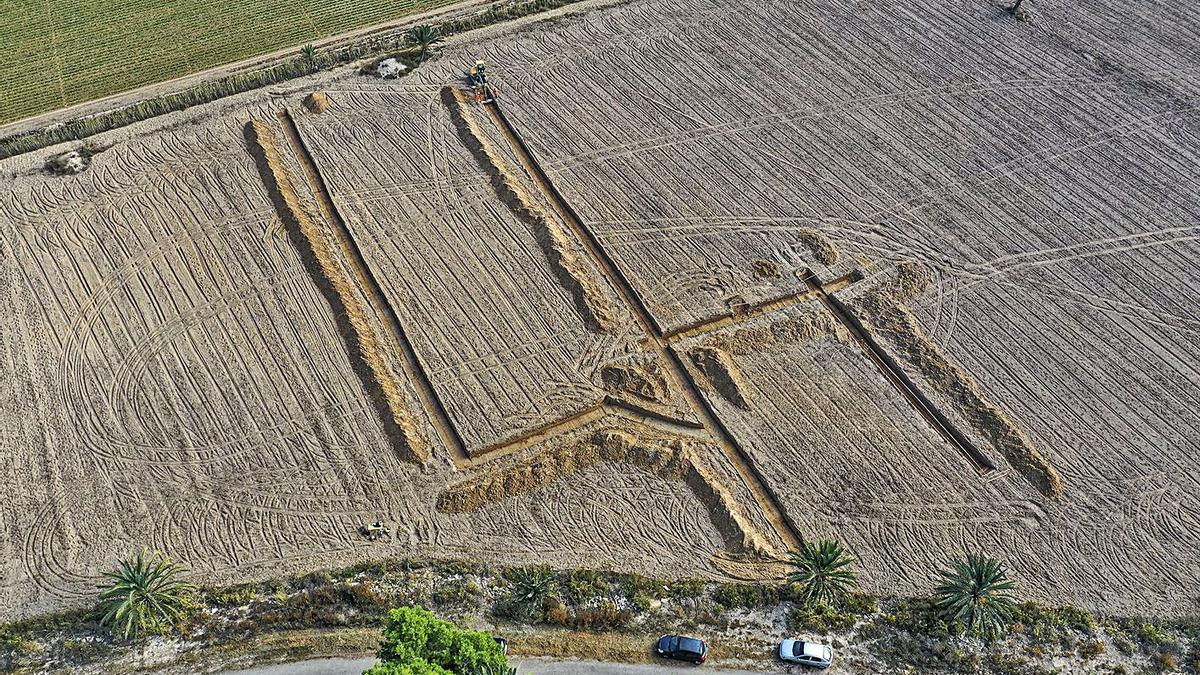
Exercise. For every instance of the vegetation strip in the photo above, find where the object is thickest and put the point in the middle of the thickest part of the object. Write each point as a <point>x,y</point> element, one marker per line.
<point>971,624</point>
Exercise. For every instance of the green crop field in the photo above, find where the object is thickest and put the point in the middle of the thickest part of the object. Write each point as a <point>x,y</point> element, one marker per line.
<point>55,53</point>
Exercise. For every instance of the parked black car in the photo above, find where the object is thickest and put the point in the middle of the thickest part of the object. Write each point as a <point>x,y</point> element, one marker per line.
<point>682,648</point>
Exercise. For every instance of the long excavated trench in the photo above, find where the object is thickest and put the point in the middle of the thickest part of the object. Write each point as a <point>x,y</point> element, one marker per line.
<point>770,506</point>
<point>416,372</point>
<point>896,375</point>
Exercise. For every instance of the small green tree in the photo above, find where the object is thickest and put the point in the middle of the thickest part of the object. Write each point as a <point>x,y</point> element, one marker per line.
<point>415,642</point>
<point>145,595</point>
<point>424,36</point>
<point>821,572</point>
<point>308,54</point>
<point>976,595</point>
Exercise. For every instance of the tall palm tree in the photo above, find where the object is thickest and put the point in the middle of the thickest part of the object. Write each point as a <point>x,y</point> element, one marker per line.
<point>424,35</point>
<point>1016,7</point>
<point>976,595</point>
<point>144,595</point>
<point>822,572</point>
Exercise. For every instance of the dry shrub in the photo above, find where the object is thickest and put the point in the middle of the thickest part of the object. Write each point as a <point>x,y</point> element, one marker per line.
<point>885,314</point>
<point>605,616</point>
<point>365,596</point>
<point>568,265</point>
<point>370,345</point>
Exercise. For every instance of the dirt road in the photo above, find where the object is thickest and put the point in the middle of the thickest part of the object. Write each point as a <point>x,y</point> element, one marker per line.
<point>524,666</point>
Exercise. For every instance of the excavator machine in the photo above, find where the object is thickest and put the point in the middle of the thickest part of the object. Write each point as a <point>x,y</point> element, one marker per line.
<point>479,84</point>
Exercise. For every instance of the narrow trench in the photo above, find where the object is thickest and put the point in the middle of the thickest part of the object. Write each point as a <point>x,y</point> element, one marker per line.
<point>429,398</point>
<point>768,503</point>
<point>308,258</point>
<point>896,375</point>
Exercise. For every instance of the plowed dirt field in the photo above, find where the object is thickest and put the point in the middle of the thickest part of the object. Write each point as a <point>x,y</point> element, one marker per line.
<point>707,279</point>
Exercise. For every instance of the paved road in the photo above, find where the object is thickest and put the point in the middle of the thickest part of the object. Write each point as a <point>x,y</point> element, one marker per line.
<point>524,666</point>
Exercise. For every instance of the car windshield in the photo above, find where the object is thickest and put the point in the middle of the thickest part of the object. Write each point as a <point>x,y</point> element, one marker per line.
<point>691,645</point>
<point>672,643</point>
<point>797,648</point>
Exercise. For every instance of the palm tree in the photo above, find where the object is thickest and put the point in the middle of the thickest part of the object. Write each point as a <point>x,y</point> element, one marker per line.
<point>822,572</point>
<point>975,594</point>
<point>145,594</point>
<point>531,585</point>
<point>424,35</point>
<point>1016,7</point>
<point>309,54</point>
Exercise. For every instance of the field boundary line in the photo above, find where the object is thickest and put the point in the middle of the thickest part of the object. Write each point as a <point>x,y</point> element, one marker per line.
<point>374,292</point>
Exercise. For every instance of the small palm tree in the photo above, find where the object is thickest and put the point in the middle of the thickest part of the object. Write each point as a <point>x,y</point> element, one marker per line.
<point>1016,7</point>
<point>975,594</point>
<point>309,54</point>
<point>424,35</point>
<point>822,572</point>
<point>531,585</point>
<point>144,595</point>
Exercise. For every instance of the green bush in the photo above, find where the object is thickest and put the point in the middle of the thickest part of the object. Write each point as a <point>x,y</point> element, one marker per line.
<point>415,642</point>
<point>1151,634</point>
<point>461,593</point>
<point>748,595</point>
<point>232,596</point>
<point>145,595</point>
<point>821,572</point>
<point>583,586</point>
<point>976,594</point>
<point>682,590</point>
<point>820,618</point>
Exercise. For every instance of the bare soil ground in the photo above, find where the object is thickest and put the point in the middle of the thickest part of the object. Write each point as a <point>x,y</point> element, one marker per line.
<point>709,279</point>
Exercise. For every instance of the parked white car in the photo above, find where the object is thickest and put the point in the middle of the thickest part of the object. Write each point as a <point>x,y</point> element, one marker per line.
<point>806,653</point>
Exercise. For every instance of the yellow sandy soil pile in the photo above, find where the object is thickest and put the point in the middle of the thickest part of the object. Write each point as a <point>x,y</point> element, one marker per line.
<point>569,267</point>
<point>667,458</point>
